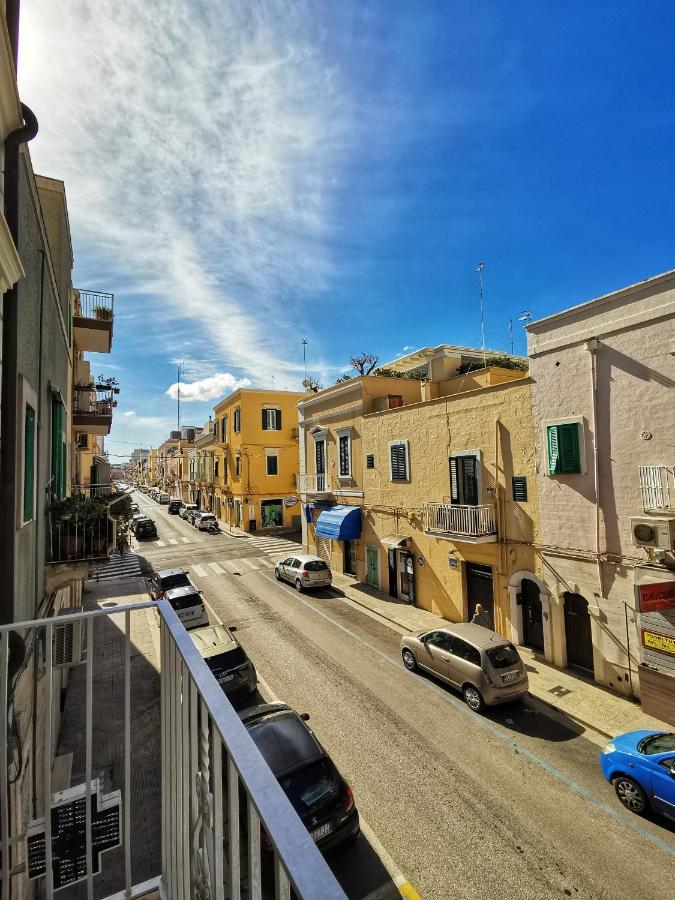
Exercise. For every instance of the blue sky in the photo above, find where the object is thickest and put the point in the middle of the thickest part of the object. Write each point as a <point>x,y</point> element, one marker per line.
<point>244,174</point>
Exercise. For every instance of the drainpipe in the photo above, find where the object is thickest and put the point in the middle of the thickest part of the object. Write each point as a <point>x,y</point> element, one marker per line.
<point>592,346</point>
<point>8,422</point>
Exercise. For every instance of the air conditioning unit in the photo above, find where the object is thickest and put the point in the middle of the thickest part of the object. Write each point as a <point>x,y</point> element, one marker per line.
<point>653,531</point>
<point>68,640</point>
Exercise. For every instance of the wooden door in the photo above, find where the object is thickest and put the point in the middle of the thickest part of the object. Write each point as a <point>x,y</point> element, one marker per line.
<point>578,635</point>
<point>533,620</point>
<point>372,576</point>
<point>479,590</point>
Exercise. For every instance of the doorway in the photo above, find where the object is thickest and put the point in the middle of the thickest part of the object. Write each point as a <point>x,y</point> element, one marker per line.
<point>406,568</point>
<point>578,637</point>
<point>348,559</point>
<point>533,621</point>
<point>479,590</point>
<point>372,568</point>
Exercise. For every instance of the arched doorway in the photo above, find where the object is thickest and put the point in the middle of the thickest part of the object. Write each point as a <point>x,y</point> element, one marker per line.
<point>578,637</point>
<point>533,620</point>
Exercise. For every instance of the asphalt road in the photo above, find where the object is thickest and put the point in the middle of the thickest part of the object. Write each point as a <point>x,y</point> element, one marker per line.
<point>508,804</point>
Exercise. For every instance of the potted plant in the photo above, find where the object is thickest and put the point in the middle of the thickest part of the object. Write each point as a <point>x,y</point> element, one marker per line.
<point>102,312</point>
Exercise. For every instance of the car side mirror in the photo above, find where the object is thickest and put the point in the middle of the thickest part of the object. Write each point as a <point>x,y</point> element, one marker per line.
<point>672,770</point>
<point>231,627</point>
<point>304,717</point>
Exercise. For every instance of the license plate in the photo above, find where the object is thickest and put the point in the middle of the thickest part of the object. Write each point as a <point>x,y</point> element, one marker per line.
<point>511,676</point>
<point>225,678</point>
<point>318,833</point>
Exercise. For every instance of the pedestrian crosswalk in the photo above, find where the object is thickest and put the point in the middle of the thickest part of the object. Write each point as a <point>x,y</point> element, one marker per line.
<point>232,566</point>
<point>173,541</point>
<point>276,547</point>
<point>126,566</point>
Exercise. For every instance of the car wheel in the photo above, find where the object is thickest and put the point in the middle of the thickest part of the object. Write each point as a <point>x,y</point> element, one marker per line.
<point>409,660</point>
<point>473,698</point>
<point>277,575</point>
<point>631,794</point>
<point>298,586</point>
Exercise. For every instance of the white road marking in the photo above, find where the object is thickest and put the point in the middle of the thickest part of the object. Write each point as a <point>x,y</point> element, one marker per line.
<point>232,565</point>
<point>200,571</point>
<point>173,541</point>
<point>186,540</point>
<point>249,563</point>
<point>266,690</point>
<point>216,568</point>
<point>160,544</point>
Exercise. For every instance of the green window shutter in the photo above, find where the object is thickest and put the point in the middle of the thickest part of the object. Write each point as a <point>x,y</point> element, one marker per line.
<point>64,460</point>
<point>58,451</point>
<point>569,448</point>
<point>454,481</point>
<point>553,450</point>
<point>278,419</point>
<point>399,469</point>
<point>28,464</point>
<point>469,480</point>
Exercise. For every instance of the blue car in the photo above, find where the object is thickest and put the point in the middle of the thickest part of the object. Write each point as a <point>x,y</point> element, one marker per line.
<point>641,766</point>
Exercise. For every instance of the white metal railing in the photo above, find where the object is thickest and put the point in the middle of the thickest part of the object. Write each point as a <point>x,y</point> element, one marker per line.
<point>217,792</point>
<point>657,486</point>
<point>315,483</point>
<point>473,521</point>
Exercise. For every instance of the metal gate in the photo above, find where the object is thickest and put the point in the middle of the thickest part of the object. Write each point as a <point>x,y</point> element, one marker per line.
<point>323,548</point>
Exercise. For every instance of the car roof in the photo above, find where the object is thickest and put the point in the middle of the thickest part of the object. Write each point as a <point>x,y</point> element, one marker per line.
<point>282,737</point>
<point>183,591</point>
<point>480,637</point>
<point>212,640</point>
<point>304,557</point>
<point>167,573</point>
<point>144,519</point>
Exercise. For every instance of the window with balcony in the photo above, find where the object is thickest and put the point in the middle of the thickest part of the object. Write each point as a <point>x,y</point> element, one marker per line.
<point>237,419</point>
<point>271,418</point>
<point>564,448</point>
<point>464,479</point>
<point>223,429</point>
<point>398,461</point>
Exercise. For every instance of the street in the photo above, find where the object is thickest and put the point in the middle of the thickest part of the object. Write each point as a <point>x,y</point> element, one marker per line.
<point>508,804</point>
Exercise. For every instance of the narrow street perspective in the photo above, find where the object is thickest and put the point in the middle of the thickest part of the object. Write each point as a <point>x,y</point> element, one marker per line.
<point>337,458</point>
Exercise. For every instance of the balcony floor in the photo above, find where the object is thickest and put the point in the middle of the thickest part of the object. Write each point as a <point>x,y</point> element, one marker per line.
<point>463,538</point>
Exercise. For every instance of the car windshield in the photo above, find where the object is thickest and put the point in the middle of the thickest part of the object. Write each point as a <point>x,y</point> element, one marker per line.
<point>502,657</point>
<point>316,565</point>
<point>657,743</point>
<point>207,517</point>
<point>174,581</point>
<point>311,787</point>
<point>224,662</point>
<point>186,602</point>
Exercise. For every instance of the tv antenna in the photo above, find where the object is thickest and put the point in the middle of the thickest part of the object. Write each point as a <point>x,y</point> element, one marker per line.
<point>479,270</point>
<point>304,355</point>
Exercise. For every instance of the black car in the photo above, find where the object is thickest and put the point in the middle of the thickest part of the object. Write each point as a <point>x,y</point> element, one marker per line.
<point>166,580</point>
<point>319,794</point>
<point>144,528</point>
<point>174,507</point>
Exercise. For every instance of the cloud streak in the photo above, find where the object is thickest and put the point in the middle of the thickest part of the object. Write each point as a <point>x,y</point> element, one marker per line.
<point>199,144</point>
<point>207,388</point>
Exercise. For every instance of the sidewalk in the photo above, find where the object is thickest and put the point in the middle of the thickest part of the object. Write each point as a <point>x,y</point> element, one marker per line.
<point>583,700</point>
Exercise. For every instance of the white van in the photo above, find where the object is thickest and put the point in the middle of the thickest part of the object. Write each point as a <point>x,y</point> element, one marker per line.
<point>188,605</point>
<point>163,497</point>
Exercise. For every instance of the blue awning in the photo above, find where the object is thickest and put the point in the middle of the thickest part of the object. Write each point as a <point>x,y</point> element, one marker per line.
<point>340,523</point>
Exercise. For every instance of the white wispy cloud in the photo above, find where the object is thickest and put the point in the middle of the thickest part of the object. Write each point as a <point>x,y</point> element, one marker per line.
<point>199,144</point>
<point>207,388</point>
<point>130,412</point>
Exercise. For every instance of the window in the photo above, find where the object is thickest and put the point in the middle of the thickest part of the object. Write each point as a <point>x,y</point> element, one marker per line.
<point>296,564</point>
<point>223,429</point>
<point>272,461</point>
<point>237,419</point>
<point>395,400</point>
<point>519,487</point>
<point>320,454</point>
<point>465,651</point>
<point>503,657</point>
<point>29,463</point>
<point>564,456</point>
<point>399,460</point>
<point>370,461</point>
<point>344,453</point>
<point>215,430</point>
<point>464,480</point>
<point>271,419</point>
<point>83,442</point>
<point>237,466</point>
<point>271,513</point>
<point>216,467</point>
<point>58,472</point>
<point>316,565</point>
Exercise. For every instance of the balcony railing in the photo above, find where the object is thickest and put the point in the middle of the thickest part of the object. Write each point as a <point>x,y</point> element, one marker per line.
<point>657,486</point>
<point>94,305</point>
<point>316,483</point>
<point>79,538</point>
<point>468,521</point>
<point>224,827</point>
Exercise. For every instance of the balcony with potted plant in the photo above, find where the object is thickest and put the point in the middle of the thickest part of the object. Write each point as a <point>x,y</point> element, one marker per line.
<point>93,321</point>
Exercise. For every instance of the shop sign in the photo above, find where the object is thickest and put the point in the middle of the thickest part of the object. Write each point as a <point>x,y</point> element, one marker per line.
<point>452,562</point>
<point>290,501</point>
<point>661,642</point>
<point>657,597</point>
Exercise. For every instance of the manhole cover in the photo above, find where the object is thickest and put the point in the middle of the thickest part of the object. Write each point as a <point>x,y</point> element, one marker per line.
<point>559,691</point>
<point>110,603</point>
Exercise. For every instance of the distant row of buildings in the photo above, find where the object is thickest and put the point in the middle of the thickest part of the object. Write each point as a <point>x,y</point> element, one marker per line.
<point>54,474</point>
<point>544,491</point>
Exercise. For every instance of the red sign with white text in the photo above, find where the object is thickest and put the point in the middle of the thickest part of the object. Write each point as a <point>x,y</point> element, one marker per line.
<point>657,597</point>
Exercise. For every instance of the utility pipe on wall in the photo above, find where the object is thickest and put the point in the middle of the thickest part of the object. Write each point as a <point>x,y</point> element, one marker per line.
<point>592,346</point>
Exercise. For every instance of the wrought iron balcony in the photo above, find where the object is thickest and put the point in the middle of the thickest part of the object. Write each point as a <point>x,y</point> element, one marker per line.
<point>657,486</point>
<point>93,321</point>
<point>93,408</point>
<point>79,535</point>
<point>471,524</point>
<point>315,483</point>
<point>221,825</point>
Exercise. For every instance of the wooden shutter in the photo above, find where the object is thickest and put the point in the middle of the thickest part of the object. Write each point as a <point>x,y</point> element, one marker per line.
<point>370,461</point>
<point>344,454</point>
<point>454,481</point>
<point>28,464</point>
<point>320,457</point>
<point>519,488</point>
<point>237,420</point>
<point>568,436</point>
<point>264,419</point>
<point>398,463</point>
<point>469,480</point>
<point>553,450</point>
<point>277,416</point>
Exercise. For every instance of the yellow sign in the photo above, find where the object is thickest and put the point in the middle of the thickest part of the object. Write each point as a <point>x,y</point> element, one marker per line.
<point>660,642</point>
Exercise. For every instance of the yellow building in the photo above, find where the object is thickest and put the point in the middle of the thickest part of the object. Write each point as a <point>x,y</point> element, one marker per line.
<point>451,503</point>
<point>151,477</point>
<point>255,460</point>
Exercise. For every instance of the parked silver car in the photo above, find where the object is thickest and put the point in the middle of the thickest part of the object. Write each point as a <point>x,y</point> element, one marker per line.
<point>480,663</point>
<point>304,572</point>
